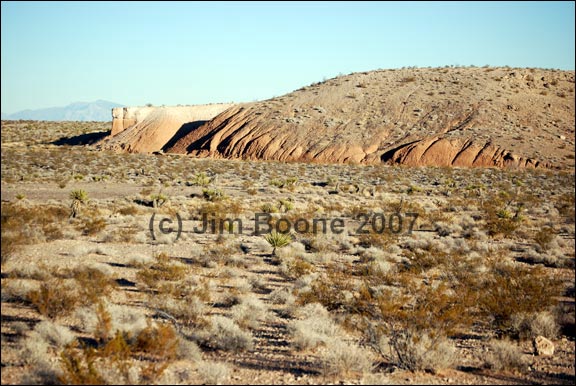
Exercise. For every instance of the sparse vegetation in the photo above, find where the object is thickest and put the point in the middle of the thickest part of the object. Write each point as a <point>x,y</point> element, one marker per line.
<point>91,299</point>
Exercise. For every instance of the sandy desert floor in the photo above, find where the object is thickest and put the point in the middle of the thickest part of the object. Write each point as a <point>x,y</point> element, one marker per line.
<point>458,271</point>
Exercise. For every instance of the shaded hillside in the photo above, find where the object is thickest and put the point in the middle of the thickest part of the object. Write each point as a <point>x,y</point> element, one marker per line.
<point>504,117</point>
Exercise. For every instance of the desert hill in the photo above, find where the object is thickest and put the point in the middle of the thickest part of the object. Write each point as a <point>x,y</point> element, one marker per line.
<point>463,116</point>
<point>440,116</point>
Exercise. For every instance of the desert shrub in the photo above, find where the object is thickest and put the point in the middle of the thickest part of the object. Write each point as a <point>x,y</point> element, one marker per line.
<point>565,204</point>
<point>159,341</point>
<point>54,334</point>
<point>316,328</point>
<point>79,368</point>
<point>162,270</point>
<point>214,373</point>
<point>296,267</point>
<point>201,179</point>
<point>23,225</point>
<point>509,289</point>
<point>11,242</point>
<point>104,320</point>
<point>55,297</point>
<point>544,237</point>
<point>285,204</point>
<point>423,306</point>
<point>530,325</point>
<point>268,208</point>
<point>113,361</point>
<point>15,290</point>
<point>213,194</point>
<point>129,210</point>
<point>92,226</point>
<point>225,334</point>
<point>249,312</point>
<point>505,355</point>
<point>417,351</point>
<point>93,283</point>
<point>188,311</point>
<point>345,359</point>
<point>328,290</point>
<point>281,296</point>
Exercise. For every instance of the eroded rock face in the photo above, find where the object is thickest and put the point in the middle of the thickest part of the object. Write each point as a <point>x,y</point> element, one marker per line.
<point>150,129</point>
<point>125,117</point>
<point>495,117</point>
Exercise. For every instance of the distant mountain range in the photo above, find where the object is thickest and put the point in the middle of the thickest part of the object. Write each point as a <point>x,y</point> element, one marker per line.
<point>79,111</point>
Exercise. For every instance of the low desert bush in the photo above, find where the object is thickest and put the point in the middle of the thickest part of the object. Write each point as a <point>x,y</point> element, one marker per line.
<point>224,334</point>
<point>164,269</point>
<point>104,320</point>
<point>92,226</point>
<point>187,311</point>
<point>315,328</point>
<point>544,237</point>
<point>345,359</point>
<point>214,373</point>
<point>56,297</point>
<point>508,289</point>
<point>505,355</point>
<point>249,312</point>
<point>417,351</point>
<point>530,325</point>
<point>213,194</point>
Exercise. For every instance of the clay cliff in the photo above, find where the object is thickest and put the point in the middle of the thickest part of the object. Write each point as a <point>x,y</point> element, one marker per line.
<point>503,117</point>
<point>149,129</point>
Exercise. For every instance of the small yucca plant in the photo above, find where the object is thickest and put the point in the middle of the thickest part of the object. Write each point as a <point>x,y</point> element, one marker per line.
<point>278,240</point>
<point>79,197</point>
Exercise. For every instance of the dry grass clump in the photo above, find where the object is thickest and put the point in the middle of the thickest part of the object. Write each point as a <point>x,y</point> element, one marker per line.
<point>315,328</point>
<point>250,312</point>
<point>225,334</point>
<point>530,325</point>
<point>103,320</point>
<point>417,351</point>
<point>214,373</point>
<point>345,359</point>
<point>505,355</point>
<point>56,297</point>
<point>164,269</point>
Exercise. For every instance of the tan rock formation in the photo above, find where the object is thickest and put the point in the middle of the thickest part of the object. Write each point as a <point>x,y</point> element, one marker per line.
<point>149,129</point>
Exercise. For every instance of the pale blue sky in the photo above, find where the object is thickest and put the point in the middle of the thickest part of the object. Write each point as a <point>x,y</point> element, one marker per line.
<point>57,53</point>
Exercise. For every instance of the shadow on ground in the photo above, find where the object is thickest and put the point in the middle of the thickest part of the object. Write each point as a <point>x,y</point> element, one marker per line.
<point>82,139</point>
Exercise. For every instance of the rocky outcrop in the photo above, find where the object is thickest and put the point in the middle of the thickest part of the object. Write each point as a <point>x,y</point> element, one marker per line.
<point>125,117</point>
<point>150,129</point>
